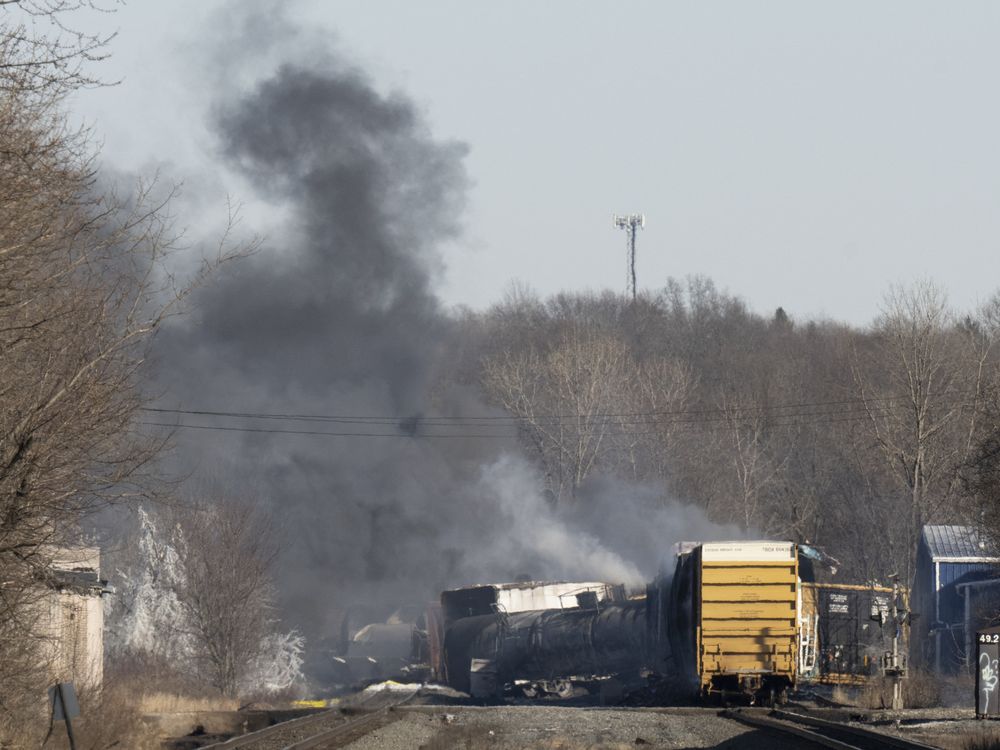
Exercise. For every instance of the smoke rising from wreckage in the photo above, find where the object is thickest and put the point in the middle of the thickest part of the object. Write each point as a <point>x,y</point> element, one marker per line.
<point>337,315</point>
<point>733,620</point>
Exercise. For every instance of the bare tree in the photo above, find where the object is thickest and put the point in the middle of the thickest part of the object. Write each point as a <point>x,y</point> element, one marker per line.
<point>41,51</point>
<point>749,456</point>
<point>981,472</point>
<point>920,386</point>
<point>82,290</point>
<point>193,603</point>
<point>566,398</point>
<point>660,389</point>
<point>226,591</point>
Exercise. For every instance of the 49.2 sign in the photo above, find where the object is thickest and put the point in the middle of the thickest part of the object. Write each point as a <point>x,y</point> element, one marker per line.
<point>988,673</point>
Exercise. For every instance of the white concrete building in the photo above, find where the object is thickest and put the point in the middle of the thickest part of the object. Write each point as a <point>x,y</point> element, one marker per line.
<point>72,617</point>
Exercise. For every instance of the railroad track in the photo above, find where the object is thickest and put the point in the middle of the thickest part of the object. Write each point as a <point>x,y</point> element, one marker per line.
<point>821,732</point>
<point>326,729</point>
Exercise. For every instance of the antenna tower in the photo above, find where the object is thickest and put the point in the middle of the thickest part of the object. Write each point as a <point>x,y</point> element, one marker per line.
<point>630,223</point>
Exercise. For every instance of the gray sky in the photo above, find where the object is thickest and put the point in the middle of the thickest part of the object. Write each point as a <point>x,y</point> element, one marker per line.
<point>801,154</point>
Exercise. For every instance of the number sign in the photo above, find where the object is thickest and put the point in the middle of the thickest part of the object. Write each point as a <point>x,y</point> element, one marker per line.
<point>987,674</point>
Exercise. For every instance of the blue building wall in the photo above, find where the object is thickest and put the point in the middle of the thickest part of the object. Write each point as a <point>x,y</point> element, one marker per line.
<point>951,606</point>
<point>938,639</point>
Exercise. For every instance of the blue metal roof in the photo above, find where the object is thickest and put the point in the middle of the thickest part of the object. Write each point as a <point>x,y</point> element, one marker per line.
<point>956,543</point>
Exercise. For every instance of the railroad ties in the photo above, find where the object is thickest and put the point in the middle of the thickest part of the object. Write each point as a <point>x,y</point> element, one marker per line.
<point>821,732</point>
<point>326,729</point>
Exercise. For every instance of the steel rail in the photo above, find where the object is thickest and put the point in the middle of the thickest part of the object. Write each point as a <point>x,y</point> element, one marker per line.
<point>239,741</point>
<point>825,724</point>
<point>348,731</point>
<point>367,713</point>
<point>831,734</point>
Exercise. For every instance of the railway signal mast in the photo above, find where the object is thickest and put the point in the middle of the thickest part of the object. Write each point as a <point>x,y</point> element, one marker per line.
<point>631,223</point>
<point>894,662</point>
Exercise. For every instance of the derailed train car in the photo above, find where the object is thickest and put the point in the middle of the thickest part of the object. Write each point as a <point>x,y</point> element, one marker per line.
<point>730,613</point>
<point>485,653</point>
<point>730,619</point>
<point>484,637</point>
<point>724,621</point>
<point>747,618</point>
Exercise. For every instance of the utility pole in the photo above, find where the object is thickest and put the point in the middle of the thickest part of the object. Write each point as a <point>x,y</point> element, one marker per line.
<point>630,223</point>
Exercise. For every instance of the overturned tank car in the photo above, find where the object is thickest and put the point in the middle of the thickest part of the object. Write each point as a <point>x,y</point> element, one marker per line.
<point>484,653</point>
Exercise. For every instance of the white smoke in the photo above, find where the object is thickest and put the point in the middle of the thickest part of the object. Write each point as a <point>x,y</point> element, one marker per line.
<point>532,531</point>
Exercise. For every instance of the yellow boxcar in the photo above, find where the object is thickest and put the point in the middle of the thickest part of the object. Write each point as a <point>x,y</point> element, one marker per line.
<point>735,620</point>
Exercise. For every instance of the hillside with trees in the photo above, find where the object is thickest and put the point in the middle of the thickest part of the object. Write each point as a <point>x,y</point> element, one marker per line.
<point>814,431</point>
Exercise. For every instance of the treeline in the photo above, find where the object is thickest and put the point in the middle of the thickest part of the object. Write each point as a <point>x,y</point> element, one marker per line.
<point>848,438</point>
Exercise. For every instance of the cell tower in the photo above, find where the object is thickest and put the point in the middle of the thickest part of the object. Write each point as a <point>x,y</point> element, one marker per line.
<point>630,223</point>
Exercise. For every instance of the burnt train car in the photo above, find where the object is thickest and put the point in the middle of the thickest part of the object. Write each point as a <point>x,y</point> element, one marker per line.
<point>482,638</point>
<point>486,653</point>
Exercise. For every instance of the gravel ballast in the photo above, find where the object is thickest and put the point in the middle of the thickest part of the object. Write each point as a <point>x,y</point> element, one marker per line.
<point>562,728</point>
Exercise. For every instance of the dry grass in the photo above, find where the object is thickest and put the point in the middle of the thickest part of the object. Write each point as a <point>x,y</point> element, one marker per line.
<point>877,693</point>
<point>109,718</point>
<point>986,741</point>
<point>170,702</point>
<point>920,690</point>
<point>160,688</point>
<point>112,718</point>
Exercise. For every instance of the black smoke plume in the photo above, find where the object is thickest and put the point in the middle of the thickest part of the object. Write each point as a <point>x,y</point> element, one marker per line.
<point>336,315</point>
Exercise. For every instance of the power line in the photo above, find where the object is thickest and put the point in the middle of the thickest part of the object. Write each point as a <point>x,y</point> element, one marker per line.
<point>779,421</point>
<point>225,428</point>
<point>710,413</point>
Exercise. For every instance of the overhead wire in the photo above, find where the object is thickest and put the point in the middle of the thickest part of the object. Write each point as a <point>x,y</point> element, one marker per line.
<point>729,412</point>
<point>577,425</point>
